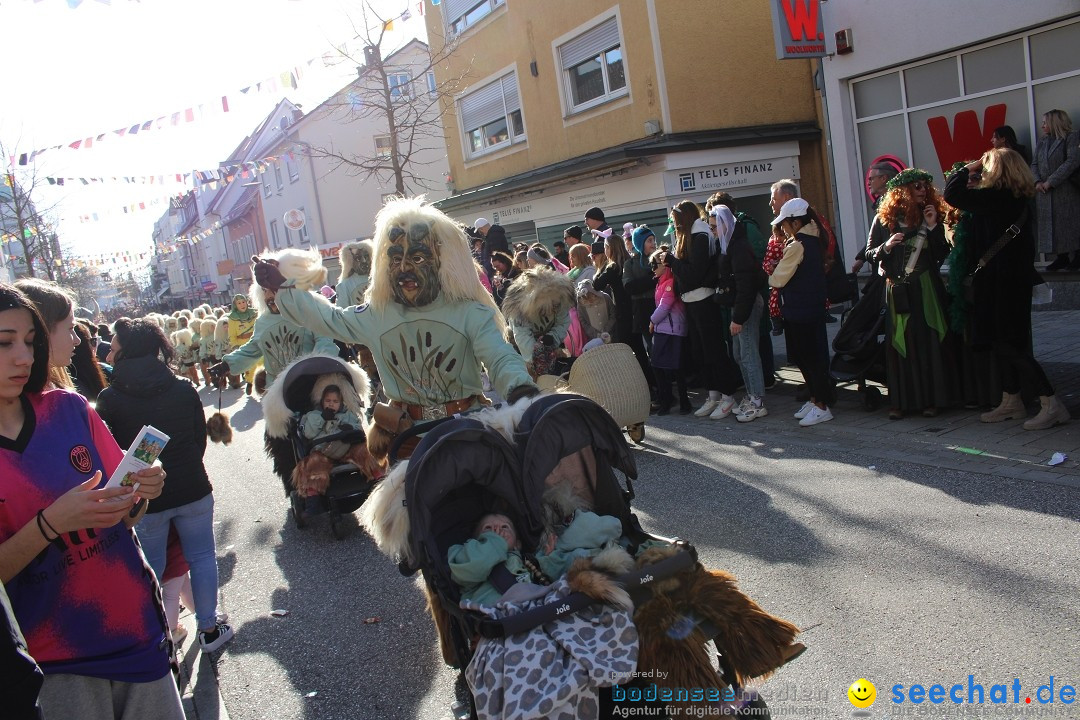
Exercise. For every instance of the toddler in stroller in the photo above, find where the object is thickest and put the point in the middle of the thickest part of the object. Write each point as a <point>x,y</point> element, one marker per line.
<point>625,607</point>
<point>331,419</point>
<point>316,436</point>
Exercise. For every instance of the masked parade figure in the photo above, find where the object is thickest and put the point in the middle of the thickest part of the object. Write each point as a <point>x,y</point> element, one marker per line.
<point>428,321</point>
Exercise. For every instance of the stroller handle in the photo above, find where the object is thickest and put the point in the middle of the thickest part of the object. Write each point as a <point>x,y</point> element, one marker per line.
<point>425,427</point>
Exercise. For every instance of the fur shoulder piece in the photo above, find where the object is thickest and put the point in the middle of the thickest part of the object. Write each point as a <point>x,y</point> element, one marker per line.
<point>538,295</point>
<point>277,413</point>
<point>303,266</point>
<point>385,516</point>
<point>352,257</point>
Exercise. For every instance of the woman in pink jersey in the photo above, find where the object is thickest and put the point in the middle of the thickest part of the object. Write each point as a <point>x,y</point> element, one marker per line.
<point>79,586</point>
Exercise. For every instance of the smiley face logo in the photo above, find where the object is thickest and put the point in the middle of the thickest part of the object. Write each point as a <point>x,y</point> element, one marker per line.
<point>862,693</point>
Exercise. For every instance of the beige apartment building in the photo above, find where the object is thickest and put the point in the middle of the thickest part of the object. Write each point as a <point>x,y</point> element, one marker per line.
<point>631,106</point>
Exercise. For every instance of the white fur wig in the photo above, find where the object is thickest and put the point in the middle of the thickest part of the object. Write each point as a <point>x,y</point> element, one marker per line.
<point>198,313</point>
<point>277,413</point>
<point>349,256</point>
<point>171,324</point>
<point>182,339</point>
<point>221,332</point>
<point>458,271</point>
<point>185,313</point>
<point>303,266</point>
<point>207,327</point>
<point>219,311</point>
<point>257,298</point>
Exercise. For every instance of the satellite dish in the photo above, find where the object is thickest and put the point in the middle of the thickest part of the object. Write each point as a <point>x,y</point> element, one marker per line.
<point>294,219</point>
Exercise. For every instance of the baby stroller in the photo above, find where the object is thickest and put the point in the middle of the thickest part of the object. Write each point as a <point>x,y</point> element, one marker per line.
<point>463,469</point>
<point>295,392</point>
<point>859,346</point>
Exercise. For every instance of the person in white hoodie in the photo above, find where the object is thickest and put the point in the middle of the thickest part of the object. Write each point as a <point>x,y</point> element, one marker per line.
<point>693,263</point>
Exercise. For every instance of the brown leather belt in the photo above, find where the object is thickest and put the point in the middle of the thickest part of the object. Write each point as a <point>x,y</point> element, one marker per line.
<point>425,412</point>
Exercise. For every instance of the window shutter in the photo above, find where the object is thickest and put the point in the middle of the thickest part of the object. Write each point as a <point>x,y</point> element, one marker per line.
<point>454,9</point>
<point>510,93</point>
<point>590,44</point>
<point>483,106</point>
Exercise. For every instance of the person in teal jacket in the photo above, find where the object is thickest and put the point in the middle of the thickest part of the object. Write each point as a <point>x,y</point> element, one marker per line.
<point>429,323</point>
<point>275,340</point>
<point>355,259</point>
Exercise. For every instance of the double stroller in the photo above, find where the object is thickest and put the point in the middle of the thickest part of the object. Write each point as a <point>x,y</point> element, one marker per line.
<point>859,346</point>
<point>295,392</point>
<point>543,653</point>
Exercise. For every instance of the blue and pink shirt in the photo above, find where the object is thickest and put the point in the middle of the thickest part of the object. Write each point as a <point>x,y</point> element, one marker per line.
<point>89,603</point>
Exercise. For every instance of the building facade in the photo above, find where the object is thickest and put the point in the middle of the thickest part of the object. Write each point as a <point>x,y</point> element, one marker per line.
<point>629,106</point>
<point>927,84</point>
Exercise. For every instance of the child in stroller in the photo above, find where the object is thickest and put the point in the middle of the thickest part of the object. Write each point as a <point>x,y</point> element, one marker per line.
<point>637,604</point>
<point>331,418</point>
<point>305,447</point>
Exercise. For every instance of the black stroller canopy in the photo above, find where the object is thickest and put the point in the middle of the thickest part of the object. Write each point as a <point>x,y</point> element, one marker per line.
<point>459,472</point>
<point>558,426</point>
<point>301,377</point>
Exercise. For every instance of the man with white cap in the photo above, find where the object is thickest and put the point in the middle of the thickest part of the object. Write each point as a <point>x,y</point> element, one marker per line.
<point>494,241</point>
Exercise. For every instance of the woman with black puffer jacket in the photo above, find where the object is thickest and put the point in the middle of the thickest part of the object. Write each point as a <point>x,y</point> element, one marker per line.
<point>145,391</point>
<point>693,263</point>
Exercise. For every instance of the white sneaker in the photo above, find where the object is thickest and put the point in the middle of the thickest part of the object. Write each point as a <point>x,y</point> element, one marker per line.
<point>751,413</point>
<point>815,416</point>
<point>744,405</point>
<point>221,634</point>
<point>706,409</point>
<point>723,408</point>
<point>804,410</point>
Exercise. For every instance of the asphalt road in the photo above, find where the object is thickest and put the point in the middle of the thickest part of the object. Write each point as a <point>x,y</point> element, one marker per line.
<point>899,573</point>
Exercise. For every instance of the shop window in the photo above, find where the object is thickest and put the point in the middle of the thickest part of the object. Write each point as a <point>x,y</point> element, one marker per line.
<point>274,241</point>
<point>277,176</point>
<point>994,67</point>
<point>491,117</point>
<point>1055,51</point>
<point>932,82</point>
<point>1061,94</point>
<point>593,69</point>
<point>878,95</point>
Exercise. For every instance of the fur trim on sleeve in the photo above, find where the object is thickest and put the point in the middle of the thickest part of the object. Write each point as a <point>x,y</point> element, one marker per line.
<point>303,266</point>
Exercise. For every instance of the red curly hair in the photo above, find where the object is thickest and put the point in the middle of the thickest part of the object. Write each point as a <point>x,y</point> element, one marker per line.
<point>899,206</point>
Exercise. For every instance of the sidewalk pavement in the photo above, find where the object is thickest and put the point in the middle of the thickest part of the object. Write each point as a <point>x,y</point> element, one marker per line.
<point>198,677</point>
<point>955,439</point>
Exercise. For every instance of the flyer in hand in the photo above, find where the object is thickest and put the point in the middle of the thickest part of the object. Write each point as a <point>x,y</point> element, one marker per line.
<point>144,450</point>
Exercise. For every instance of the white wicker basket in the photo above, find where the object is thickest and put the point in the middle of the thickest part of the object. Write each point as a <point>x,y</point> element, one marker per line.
<point>610,376</point>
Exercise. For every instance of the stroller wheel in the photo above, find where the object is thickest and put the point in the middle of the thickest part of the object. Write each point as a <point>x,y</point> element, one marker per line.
<point>636,432</point>
<point>297,504</point>
<point>337,528</point>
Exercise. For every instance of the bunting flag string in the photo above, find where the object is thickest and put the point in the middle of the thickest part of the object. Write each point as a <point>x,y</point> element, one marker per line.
<point>290,79</point>
<point>200,179</point>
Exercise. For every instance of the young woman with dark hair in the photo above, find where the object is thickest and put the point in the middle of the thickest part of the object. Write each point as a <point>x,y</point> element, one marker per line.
<point>145,391</point>
<point>85,373</point>
<point>57,307</point>
<point>60,544</point>
<point>693,263</point>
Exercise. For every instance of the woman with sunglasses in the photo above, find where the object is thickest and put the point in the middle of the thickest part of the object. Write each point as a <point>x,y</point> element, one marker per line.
<point>907,237</point>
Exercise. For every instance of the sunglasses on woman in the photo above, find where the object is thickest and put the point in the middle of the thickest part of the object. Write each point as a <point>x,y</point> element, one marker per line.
<point>920,185</point>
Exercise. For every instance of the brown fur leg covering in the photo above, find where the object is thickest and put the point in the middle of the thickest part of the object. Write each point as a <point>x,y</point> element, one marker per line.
<point>312,474</point>
<point>442,627</point>
<point>379,442</point>
<point>752,639</point>
<point>193,375</point>
<point>359,456</point>
<point>260,382</point>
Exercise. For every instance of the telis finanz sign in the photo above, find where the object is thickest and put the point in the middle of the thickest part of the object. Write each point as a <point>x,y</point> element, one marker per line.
<point>798,29</point>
